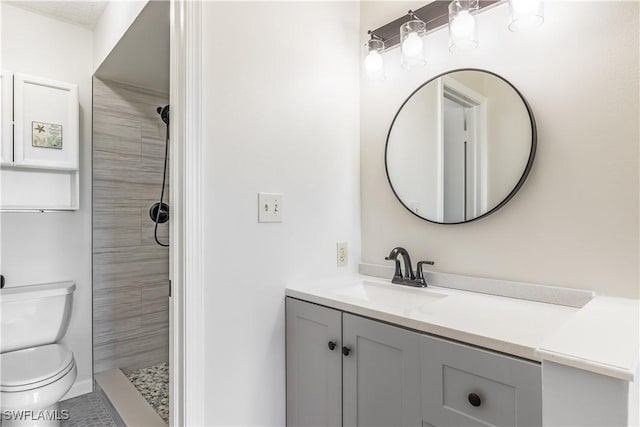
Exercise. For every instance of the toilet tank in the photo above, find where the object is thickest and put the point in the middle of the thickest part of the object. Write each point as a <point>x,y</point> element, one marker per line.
<point>34,315</point>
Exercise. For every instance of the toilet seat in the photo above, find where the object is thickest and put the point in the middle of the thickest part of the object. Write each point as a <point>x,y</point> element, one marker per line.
<point>35,367</point>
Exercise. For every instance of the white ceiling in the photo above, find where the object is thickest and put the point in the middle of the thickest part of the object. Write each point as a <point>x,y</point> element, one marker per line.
<point>85,13</point>
<point>141,57</point>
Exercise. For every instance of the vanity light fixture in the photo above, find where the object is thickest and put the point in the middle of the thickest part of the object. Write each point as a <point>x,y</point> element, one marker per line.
<point>460,15</point>
<point>463,28</point>
<point>411,43</point>
<point>372,52</point>
<point>525,14</point>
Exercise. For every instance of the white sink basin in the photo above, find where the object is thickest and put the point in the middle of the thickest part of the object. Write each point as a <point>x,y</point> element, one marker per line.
<point>388,294</point>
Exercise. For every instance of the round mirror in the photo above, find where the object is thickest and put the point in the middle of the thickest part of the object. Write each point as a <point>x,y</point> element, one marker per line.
<point>460,146</point>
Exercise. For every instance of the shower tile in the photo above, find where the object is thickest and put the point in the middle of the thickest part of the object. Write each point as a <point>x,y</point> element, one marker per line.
<point>116,218</point>
<point>125,188</point>
<point>108,331</point>
<point>152,292</point>
<point>130,271</point>
<point>117,311</point>
<point>109,297</point>
<point>108,256</point>
<point>155,306</point>
<point>130,266</point>
<point>116,227</point>
<point>156,320</point>
<point>117,135</point>
<point>148,228</point>
<point>121,100</point>
<point>126,275</point>
<point>154,129</point>
<point>133,353</point>
<point>154,148</point>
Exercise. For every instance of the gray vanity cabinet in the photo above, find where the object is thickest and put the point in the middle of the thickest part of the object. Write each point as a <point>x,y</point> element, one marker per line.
<point>381,374</point>
<point>348,370</point>
<point>466,386</point>
<point>314,369</point>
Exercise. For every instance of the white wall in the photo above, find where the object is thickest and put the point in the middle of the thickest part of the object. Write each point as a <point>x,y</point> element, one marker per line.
<point>574,223</point>
<point>116,19</point>
<point>50,247</point>
<point>141,56</point>
<point>280,105</point>
<point>412,164</point>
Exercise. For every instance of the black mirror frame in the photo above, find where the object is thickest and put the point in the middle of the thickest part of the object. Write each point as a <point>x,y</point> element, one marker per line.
<point>525,173</point>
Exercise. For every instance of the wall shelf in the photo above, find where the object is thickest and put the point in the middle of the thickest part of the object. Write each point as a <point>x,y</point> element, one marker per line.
<point>39,163</point>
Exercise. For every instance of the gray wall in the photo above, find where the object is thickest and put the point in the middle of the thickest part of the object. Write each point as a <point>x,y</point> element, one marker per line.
<point>130,271</point>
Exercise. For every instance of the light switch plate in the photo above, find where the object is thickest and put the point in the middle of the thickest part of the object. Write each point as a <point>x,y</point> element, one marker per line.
<point>269,207</point>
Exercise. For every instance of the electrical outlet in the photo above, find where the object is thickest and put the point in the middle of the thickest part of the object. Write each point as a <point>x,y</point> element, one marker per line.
<point>342,254</point>
<point>269,207</point>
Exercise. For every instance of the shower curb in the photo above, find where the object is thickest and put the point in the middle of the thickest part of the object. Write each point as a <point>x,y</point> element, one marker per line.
<point>130,405</point>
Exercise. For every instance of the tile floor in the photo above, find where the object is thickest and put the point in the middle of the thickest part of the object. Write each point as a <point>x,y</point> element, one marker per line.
<point>87,410</point>
<point>153,384</point>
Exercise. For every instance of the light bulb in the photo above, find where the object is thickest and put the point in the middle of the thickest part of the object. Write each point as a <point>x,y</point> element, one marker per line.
<point>373,62</point>
<point>525,14</point>
<point>525,6</point>
<point>412,45</point>
<point>463,25</point>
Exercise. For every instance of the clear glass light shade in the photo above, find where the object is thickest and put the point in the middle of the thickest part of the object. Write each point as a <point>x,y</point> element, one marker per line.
<point>463,28</point>
<point>373,62</point>
<point>411,43</point>
<point>525,14</point>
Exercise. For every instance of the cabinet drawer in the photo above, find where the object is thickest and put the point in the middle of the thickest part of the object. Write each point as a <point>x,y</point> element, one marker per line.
<point>466,386</point>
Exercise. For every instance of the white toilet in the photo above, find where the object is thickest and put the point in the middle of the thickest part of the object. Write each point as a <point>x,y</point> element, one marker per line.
<point>36,370</point>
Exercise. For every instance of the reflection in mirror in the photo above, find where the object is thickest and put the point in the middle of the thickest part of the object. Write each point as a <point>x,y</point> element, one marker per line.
<point>460,146</point>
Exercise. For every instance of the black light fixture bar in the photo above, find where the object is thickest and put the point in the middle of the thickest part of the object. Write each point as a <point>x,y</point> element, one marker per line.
<point>435,15</point>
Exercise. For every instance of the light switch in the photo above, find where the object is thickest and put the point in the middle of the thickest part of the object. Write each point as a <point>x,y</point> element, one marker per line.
<point>269,207</point>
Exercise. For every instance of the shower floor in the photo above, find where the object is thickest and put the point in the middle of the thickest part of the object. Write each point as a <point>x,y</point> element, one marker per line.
<point>153,385</point>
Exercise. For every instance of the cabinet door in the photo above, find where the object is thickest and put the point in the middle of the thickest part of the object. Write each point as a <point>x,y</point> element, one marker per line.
<point>46,120</point>
<point>381,374</point>
<point>314,370</point>
<point>464,386</point>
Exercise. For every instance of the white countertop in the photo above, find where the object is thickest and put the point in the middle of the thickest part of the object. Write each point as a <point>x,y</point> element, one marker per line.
<point>602,337</point>
<point>528,329</point>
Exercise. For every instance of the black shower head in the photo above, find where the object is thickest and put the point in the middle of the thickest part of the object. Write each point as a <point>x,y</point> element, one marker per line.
<point>164,114</point>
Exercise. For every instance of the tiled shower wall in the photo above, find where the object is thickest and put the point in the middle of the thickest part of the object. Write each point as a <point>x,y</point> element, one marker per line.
<point>130,271</point>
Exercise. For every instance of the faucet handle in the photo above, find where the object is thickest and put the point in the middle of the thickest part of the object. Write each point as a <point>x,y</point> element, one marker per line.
<point>419,272</point>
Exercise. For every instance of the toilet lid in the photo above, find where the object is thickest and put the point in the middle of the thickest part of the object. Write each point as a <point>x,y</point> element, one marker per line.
<point>33,365</point>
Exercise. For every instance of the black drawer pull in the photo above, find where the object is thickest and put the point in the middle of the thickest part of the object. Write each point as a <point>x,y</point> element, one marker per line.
<point>346,351</point>
<point>332,345</point>
<point>474,400</point>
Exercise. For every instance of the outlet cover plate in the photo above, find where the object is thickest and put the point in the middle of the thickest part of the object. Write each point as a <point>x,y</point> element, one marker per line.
<point>342,254</point>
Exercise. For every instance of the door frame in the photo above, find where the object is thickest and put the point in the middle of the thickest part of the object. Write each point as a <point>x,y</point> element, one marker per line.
<point>449,87</point>
<point>186,306</point>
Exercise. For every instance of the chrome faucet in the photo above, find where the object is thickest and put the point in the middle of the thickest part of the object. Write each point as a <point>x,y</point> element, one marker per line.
<point>408,278</point>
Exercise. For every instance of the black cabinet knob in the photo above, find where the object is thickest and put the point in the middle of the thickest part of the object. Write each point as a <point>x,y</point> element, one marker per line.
<point>346,351</point>
<point>332,345</point>
<point>474,400</point>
